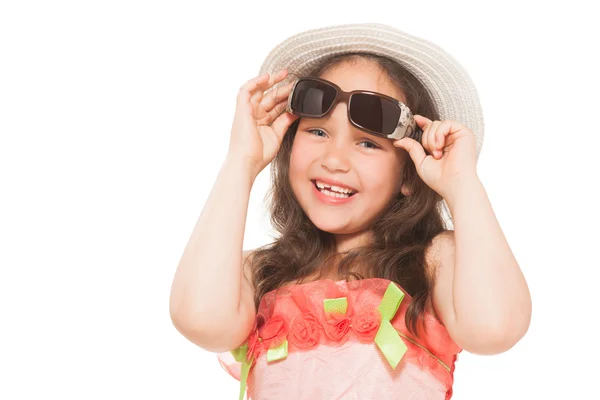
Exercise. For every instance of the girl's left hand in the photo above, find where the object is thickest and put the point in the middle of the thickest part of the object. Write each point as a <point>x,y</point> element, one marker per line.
<point>452,153</point>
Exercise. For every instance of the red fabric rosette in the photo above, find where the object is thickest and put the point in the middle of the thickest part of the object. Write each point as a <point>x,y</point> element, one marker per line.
<point>336,327</point>
<point>366,324</point>
<point>273,333</point>
<point>304,331</point>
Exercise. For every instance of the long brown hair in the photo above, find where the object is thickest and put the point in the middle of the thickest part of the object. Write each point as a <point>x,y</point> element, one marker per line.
<point>401,233</point>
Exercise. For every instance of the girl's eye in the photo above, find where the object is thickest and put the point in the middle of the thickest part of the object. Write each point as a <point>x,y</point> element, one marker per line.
<point>314,130</point>
<point>371,144</point>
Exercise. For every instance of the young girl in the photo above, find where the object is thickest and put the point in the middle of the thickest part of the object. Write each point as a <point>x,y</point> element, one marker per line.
<point>389,260</point>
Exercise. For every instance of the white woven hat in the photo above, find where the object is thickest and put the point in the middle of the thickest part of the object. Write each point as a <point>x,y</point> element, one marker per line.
<point>448,83</point>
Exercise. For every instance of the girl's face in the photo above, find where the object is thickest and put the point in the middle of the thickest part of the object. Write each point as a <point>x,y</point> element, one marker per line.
<point>331,148</point>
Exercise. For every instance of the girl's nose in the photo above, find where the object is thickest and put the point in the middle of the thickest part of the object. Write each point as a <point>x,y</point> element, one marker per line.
<point>336,156</point>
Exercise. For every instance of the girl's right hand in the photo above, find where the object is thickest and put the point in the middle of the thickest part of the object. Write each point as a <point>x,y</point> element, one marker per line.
<point>260,121</point>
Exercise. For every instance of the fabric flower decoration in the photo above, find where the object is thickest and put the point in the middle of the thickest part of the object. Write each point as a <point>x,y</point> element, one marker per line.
<point>273,333</point>
<point>337,326</point>
<point>304,331</point>
<point>366,324</point>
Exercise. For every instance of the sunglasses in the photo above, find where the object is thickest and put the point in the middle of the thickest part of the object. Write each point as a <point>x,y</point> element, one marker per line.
<point>372,112</point>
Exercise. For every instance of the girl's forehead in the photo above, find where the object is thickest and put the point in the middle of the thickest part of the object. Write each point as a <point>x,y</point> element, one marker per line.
<point>362,76</point>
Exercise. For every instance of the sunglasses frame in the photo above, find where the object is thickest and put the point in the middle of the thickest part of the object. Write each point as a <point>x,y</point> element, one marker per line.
<point>406,125</point>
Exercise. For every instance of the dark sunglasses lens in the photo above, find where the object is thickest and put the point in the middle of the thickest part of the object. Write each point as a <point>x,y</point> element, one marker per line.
<point>374,113</point>
<point>312,98</point>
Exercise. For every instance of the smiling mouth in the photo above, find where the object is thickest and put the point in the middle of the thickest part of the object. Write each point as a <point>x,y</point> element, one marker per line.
<point>320,190</point>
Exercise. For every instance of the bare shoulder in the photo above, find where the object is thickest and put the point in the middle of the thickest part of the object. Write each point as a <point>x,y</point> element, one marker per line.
<point>441,246</point>
<point>439,257</point>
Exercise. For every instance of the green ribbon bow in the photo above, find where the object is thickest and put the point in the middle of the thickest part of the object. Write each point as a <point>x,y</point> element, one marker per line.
<point>387,338</point>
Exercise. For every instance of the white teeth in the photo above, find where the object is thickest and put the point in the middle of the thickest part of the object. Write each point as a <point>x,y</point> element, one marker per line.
<point>337,189</point>
<point>333,194</point>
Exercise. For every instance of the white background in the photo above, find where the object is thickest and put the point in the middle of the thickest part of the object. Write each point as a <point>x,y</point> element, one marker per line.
<point>115,118</point>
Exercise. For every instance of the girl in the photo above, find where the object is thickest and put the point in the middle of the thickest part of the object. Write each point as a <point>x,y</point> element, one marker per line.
<point>389,259</point>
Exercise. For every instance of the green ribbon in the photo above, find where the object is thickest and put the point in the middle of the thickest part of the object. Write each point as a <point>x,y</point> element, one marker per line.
<point>387,338</point>
<point>240,356</point>
<point>278,353</point>
<point>339,305</point>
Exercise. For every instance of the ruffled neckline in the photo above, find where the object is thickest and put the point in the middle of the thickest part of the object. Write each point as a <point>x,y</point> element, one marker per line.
<point>322,281</point>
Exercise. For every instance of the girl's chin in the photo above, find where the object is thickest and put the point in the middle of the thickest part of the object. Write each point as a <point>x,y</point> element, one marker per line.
<point>328,224</point>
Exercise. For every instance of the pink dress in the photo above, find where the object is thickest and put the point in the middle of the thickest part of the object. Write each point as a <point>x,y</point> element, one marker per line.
<point>343,339</point>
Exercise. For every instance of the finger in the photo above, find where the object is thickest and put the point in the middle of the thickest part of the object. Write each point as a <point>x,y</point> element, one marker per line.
<point>273,113</point>
<point>415,150</point>
<point>421,121</point>
<point>429,139</point>
<point>273,86</point>
<point>279,94</point>
<point>447,137</point>
<point>425,124</point>
<point>439,139</point>
<point>251,85</point>
<point>282,123</point>
<point>247,89</point>
<point>257,96</point>
<point>439,136</point>
<point>434,146</point>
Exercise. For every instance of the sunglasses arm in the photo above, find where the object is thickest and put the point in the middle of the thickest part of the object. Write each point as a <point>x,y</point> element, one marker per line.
<point>410,129</point>
<point>417,134</point>
<point>407,126</point>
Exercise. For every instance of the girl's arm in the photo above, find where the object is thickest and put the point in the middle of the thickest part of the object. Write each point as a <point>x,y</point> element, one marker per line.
<point>480,292</point>
<point>210,303</point>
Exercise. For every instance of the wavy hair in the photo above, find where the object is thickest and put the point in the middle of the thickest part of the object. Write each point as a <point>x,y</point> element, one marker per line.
<point>401,233</point>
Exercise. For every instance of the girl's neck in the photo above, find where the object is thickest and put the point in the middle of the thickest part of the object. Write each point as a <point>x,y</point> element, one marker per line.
<point>347,242</point>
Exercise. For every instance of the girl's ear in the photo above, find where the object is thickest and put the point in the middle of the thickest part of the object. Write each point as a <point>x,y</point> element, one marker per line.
<point>406,190</point>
